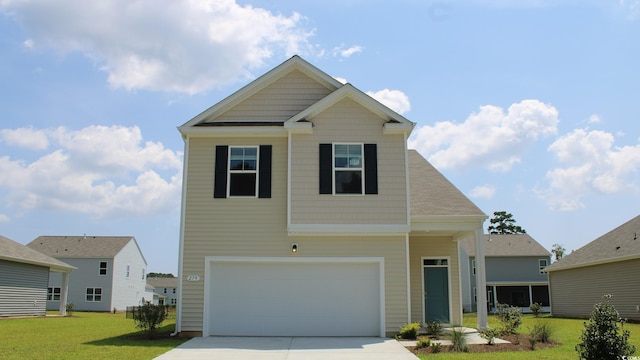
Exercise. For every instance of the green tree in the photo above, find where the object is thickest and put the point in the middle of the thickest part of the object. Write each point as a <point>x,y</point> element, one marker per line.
<point>504,223</point>
<point>558,251</point>
<point>604,337</point>
<point>148,317</point>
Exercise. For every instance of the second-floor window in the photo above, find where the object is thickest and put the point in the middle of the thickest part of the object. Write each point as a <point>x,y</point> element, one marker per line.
<point>348,169</point>
<point>542,263</point>
<point>242,171</point>
<point>126,274</point>
<point>103,268</point>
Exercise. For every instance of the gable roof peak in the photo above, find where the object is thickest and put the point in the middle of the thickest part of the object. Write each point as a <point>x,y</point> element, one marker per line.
<point>293,63</point>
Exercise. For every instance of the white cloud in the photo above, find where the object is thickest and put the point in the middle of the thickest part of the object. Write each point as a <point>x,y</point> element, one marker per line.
<point>25,137</point>
<point>103,171</point>
<point>4,218</point>
<point>594,119</point>
<point>346,53</point>
<point>184,45</point>
<point>483,191</point>
<point>592,164</point>
<point>396,100</point>
<point>489,138</point>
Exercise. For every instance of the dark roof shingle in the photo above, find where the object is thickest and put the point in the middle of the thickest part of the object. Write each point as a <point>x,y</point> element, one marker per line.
<point>13,251</point>
<point>80,246</point>
<point>498,245</point>
<point>620,243</point>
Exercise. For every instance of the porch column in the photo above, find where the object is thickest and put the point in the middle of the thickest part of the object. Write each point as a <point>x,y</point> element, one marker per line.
<point>64,290</point>
<point>481,281</point>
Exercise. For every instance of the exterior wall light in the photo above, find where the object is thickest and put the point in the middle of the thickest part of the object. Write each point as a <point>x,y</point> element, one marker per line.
<point>294,248</point>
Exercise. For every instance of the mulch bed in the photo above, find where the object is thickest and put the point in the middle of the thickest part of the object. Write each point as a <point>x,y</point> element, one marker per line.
<point>519,342</point>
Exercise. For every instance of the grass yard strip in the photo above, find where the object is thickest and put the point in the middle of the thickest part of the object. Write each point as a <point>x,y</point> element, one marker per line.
<point>565,331</point>
<point>84,335</point>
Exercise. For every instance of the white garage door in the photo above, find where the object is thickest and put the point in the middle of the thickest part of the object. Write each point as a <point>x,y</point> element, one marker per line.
<point>307,297</point>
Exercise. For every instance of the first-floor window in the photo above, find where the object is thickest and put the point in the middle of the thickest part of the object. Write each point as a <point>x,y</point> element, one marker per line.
<point>94,294</point>
<point>53,293</point>
<point>174,301</point>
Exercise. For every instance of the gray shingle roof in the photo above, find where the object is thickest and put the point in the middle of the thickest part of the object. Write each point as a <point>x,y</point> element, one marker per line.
<point>433,194</point>
<point>620,243</point>
<point>13,251</point>
<point>163,282</point>
<point>80,246</point>
<point>503,245</point>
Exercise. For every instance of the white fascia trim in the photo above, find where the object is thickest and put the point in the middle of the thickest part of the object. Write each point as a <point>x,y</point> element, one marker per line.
<point>299,127</point>
<point>396,128</point>
<point>235,131</point>
<point>600,262</point>
<point>346,229</point>
<point>209,260</point>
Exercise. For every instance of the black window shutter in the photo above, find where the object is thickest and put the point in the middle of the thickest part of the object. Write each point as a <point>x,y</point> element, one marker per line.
<point>264,175</point>
<point>326,169</point>
<point>220,173</point>
<point>370,169</point>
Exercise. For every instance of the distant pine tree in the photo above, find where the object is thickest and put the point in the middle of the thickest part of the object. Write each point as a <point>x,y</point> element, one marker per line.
<point>159,275</point>
<point>504,223</point>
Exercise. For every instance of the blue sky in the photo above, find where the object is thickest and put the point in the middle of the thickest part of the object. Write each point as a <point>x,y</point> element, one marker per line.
<point>531,107</point>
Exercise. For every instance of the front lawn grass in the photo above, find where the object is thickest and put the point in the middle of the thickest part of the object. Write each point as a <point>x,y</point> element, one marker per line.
<point>565,331</point>
<point>84,335</point>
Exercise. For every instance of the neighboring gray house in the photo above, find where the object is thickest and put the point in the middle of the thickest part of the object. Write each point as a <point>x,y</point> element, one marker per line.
<point>24,275</point>
<point>609,264</point>
<point>166,288</point>
<point>111,270</point>
<point>514,273</point>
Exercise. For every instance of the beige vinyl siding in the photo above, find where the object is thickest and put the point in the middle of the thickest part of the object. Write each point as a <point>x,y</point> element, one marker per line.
<point>574,292</point>
<point>348,122</point>
<point>281,100</point>
<point>231,226</point>
<point>391,248</point>
<point>433,246</point>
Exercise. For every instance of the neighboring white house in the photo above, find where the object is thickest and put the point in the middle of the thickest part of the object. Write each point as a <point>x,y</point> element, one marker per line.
<point>166,288</point>
<point>24,275</point>
<point>111,271</point>
<point>514,275</point>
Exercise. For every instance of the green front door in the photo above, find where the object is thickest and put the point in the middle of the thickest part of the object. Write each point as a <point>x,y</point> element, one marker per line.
<point>436,291</point>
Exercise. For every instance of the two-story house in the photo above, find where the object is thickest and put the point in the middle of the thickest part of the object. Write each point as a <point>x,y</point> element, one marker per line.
<point>166,288</point>
<point>514,276</point>
<point>304,214</point>
<point>110,273</point>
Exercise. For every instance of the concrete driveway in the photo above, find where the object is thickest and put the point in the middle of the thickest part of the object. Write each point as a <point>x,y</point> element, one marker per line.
<point>289,348</point>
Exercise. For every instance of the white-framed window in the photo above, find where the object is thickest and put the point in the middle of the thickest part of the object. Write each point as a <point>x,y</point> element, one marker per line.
<point>473,266</point>
<point>542,263</point>
<point>243,171</point>
<point>348,168</point>
<point>165,290</point>
<point>174,301</point>
<point>475,295</point>
<point>174,290</point>
<point>143,274</point>
<point>53,293</point>
<point>128,271</point>
<point>102,268</point>
<point>94,295</point>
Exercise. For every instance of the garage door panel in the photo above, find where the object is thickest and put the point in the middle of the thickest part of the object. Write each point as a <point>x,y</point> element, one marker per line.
<point>295,298</point>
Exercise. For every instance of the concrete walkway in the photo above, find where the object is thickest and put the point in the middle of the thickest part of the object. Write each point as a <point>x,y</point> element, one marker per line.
<point>289,348</point>
<point>471,336</point>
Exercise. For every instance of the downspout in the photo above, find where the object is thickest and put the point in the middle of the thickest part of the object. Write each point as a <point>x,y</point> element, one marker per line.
<point>181,243</point>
